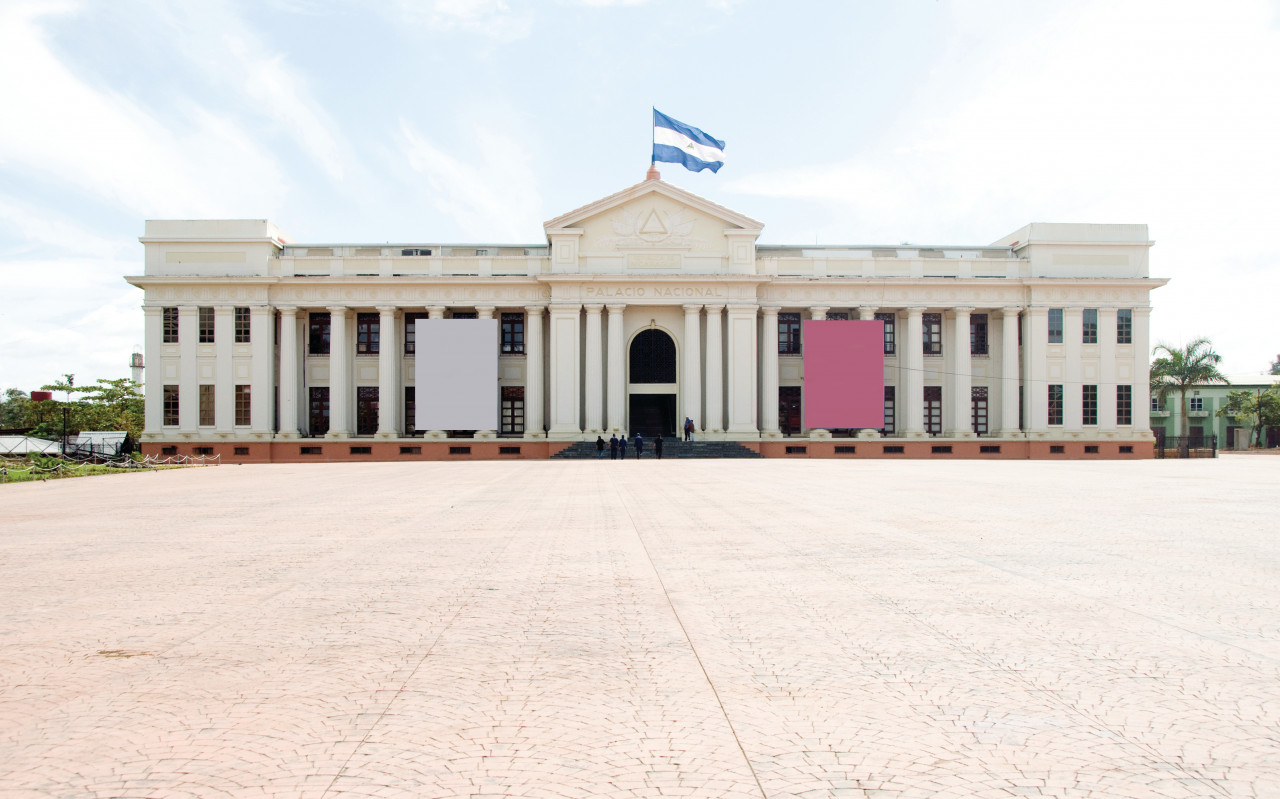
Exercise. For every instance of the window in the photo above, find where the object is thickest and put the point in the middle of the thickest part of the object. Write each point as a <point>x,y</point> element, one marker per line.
<point>367,326</point>
<point>993,449</point>
<point>311,450</point>
<point>979,403</point>
<point>941,449</point>
<point>411,450</point>
<point>788,334</point>
<point>242,326</point>
<point>978,334</point>
<point>1019,330</point>
<point>1155,402</point>
<point>410,332</point>
<point>508,450</point>
<point>366,410</point>
<point>319,410</point>
<point>797,450</point>
<point>513,332</point>
<point>888,320</point>
<point>169,325</point>
<point>894,449</point>
<point>410,410</point>
<point>1089,404</point>
<point>513,409</point>
<point>206,405</point>
<point>933,410</point>
<point>1126,449</point>
<point>846,449</point>
<point>653,357</point>
<point>1055,325</point>
<point>464,315</point>
<point>415,252</point>
<point>205,327</point>
<point>168,450</point>
<point>1057,449</point>
<point>890,403</point>
<point>202,450</point>
<point>170,406</point>
<point>242,450</point>
<point>838,316</point>
<point>932,333</point>
<point>1196,403</point>
<point>318,334</point>
<point>1124,326</point>
<point>1091,449</point>
<point>242,405</point>
<point>1055,403</point>
<point>1090,326</point>
<point>459,450</point>
<point>1022,419</point>
<point>1124,404</point>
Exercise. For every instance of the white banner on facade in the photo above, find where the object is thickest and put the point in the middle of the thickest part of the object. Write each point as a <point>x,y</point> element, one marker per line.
<point>456,374</point>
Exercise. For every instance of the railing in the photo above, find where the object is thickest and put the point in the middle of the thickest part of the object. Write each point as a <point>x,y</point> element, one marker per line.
<point>1186,446</point>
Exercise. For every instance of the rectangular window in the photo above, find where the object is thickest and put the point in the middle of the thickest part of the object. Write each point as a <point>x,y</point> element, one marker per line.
<point>169,325</point>
<point>242,450</point>
<point>367,327</point>
<point>1055,403</point>
<point>933,410</point>
<point>890,411</point>
<point>1090,335</point>
<point>1124,404</point>
<point>979,402</point>
<point>410,332</point>
<point>1022,419</point>
<point>206,405</point>
<point>366,410</point>
<point>513,409</point>
<point>318,333</point>
<point>932,333</point>
<point>205,326</point>
<point>838,316</point>
<point>464,315</point>
<point>1196,404</point>
<point>242,405</point>
<point>1089,404</point>
<point>1155,402</point>
<point>1124,326</point>
<point>978,334</point>
<point>1055,325</point>
<point>318,419</point>
<point>410,410</point>
<point>788,334</point>
<point>513,333</point>
<point>242,326</point>
<point>889,320</point>
<point>170,406</point>
<point>1019,330</point>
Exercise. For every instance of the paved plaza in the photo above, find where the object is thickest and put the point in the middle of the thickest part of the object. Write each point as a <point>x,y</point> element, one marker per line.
<point>653,628</point>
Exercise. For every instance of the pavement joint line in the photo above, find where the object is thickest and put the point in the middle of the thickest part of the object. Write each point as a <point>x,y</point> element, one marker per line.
<point>693,649</point>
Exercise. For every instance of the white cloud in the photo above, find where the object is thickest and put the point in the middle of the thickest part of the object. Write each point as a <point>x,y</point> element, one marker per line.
<point>45,229</point>
<point>495,19</point>
<point>496,199</point>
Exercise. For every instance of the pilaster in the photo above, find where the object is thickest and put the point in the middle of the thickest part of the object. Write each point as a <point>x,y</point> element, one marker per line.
<point>617,370</point>
<point>714,421</point>
<point>290,385</point>
<point>961,375</point>
<point>188,369</point>
<point>593,389</point>
<point>388,375</point>
<point>339,368</point>
<point>1009,375</point>
<point>691,381</point>
<point>769,372</point>
<point>153,383</point>
<point>742,341</point>
<point>224,399</point>
<point>261,369</point>
<point>566,416</point>
<point>534,418</point>
<point>911,355</point>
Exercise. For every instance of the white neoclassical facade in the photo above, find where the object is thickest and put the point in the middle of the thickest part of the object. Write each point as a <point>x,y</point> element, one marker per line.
<point>639,310</point>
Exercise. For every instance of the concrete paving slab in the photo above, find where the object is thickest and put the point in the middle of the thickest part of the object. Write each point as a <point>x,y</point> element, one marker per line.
<point>643,629</point>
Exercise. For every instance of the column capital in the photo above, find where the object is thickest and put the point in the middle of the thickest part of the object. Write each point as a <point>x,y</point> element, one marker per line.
<point>770,310</point>
<point>616,307</point>
<point>535,309</point>
<point>1038,310</point>
<point>717,308</point>
<point>152,310</point>
<point>387,308</point>
<point>223,310</point>
<point>594,308</point>
<point>963,309</point>
<point>1144,310</point>
<point>692,309</point>
<point>915,310</point>
<point>485,311</point>
<point>1011,310</point>
<point>565,307</point>
<point>336,308</point>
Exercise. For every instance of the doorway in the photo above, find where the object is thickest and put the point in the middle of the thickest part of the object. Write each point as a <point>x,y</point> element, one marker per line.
<point>789,410</point>
<point>652,414</point>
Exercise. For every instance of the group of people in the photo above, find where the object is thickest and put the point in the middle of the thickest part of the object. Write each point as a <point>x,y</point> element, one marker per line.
<point>618,446</point>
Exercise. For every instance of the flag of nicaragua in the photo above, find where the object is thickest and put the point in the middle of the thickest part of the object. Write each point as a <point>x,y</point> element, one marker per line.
<point>677,143</point>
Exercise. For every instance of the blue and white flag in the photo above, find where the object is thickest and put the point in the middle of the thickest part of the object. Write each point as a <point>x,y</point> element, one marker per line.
<point>677,143</point>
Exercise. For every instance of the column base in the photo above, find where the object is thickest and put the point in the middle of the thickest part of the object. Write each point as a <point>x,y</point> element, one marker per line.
<point>917,434</point>
<point>771,435</point>
<point>386,434</point>
<point>1008,434</point>
<point>485,435</point>
<point>868,434</point>
<point>338,434</point>
<point>535,436</point>
<point>435,435</point>
<point>288,435</point>
<point>564,435</point>
<point>961,434</point>
<point>819,434</point>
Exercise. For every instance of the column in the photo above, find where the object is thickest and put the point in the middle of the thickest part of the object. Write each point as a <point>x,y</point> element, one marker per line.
<point>769,372</point>
<point>224,396</point>
<point>691,379</point>
<point>867,312</point>
<point>817,313</point>
<point>911,398</point>
<point>486,312</point>
<point>153,383</point>
<point>1073,375</point>
<point>388,374</point>
<point>1009,373</point>
<point>289,382</point>
<point>617,374</point>
<point>433,312</point>
<point>961,376</point>
<point>533,416</point>
<point>262,349</point>
<point>1142,372</point>
<point>742,342</point>
<point>714,421</point>
<point>339,390</point>
<point>566,415</point>
<point>1035,376</point>
<point>188,368</point>
<point>1107,371</point>
<point>594,368</point>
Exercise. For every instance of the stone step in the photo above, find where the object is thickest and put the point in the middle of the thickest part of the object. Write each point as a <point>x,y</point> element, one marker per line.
<point>585,450</point>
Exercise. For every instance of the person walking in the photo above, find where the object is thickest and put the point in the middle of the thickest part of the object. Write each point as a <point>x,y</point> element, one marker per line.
<point>639,446</point>
<point>622,447</point>
<point>657,446</point>
<point>613,447</point>
<point>599,447</point>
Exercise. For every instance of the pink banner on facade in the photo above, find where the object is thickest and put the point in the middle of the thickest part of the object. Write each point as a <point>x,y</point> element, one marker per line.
<point>843,373</point>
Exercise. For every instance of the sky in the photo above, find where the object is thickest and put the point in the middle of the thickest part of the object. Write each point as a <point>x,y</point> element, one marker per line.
<point>458,121</point>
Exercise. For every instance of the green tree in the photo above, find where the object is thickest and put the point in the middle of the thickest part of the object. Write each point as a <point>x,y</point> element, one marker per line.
<point>1255,409</point>
<point>15,410</point>
<point>112,405</point>
<point>1180,368</point>
<point>1275,366</point>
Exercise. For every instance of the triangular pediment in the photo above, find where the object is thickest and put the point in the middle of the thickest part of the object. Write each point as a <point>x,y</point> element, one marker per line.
<point>632,198</point>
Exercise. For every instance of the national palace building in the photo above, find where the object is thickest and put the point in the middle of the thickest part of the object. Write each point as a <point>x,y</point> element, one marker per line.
<point>639,310</point>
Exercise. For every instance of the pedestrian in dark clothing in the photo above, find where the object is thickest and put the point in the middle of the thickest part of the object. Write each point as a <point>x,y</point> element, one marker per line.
<point>622,447</point>
<point>657,446</point>
<point>639,446</point>
<point>599,446</point>
<point>613,447</point>
<point>688,427</point>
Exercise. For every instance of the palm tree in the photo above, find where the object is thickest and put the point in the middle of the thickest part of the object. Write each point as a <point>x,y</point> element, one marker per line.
<point>1178,369</point>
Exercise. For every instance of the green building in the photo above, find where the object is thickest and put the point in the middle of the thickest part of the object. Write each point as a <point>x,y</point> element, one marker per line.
<point>1203,404</point>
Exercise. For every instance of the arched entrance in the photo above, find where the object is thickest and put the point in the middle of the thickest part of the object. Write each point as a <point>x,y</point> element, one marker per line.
<point>652,395</point>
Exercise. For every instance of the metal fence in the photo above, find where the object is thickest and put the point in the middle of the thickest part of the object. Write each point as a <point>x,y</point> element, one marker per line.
<point>1186,446</point>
